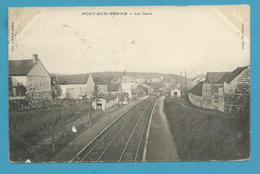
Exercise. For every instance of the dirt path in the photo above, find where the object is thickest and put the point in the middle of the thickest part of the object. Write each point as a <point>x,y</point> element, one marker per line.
<point>161,146</point>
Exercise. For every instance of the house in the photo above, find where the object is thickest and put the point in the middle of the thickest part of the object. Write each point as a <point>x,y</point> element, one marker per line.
<point>29,77</point>
<point>146,88</point>
<point>127,85</point>
<point>105,102</point>
<point>127,88</point>
<point>75,86</point>
<point>223,91</point>
<point>210,89</point>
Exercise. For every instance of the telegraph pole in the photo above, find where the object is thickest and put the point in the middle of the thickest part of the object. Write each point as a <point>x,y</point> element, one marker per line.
<point>181,84</point>
<point>185,87</point>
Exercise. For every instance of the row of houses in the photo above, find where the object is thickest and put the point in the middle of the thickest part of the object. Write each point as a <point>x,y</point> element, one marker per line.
<point>79,86</point>
<point>223,91</point>
<point>28,79</point>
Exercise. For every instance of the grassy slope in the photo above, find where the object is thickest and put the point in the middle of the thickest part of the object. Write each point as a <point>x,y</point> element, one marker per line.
<point>207,135</point>
<point>30,127</point>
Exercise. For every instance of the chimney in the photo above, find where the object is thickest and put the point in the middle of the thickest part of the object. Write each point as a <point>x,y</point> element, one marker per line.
<point>35,58</point>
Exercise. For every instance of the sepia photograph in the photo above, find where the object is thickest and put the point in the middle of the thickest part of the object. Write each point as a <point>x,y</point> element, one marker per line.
<point>129,84</point>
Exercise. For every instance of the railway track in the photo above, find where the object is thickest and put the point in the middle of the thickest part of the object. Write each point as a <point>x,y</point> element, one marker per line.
<point>124,140</point>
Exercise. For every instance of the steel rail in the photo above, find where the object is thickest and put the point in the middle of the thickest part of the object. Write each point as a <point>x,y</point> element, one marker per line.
<point>148,131</point>
<point>132,133</point>
<point>120,129</point>
<point>105,129</point>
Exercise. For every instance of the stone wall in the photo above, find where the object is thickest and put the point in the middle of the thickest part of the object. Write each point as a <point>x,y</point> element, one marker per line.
<point>39,82</point>
<point>210,93</point>
<point>196,100</point>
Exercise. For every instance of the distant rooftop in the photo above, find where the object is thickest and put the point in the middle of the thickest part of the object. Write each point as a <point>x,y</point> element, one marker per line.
<point>70,79</point>
<point>74,79</point>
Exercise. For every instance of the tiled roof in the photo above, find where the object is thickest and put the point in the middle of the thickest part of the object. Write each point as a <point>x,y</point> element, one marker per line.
<point>74,79</point>
<point>230,76</point>
<point>20,67</point>
<point>214,77</point>
<point>197,89</point>
<point>71,79</point>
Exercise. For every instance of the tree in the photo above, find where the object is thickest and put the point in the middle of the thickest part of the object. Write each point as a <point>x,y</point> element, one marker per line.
<point>21,90</point>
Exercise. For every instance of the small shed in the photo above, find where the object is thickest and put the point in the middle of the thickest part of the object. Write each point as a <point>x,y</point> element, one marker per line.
<point>99,104</point>
<point>176,93</point>
<point>104,103</point>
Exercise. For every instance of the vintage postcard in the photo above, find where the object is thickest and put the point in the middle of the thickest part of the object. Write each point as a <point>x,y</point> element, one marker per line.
<point>129,84</point>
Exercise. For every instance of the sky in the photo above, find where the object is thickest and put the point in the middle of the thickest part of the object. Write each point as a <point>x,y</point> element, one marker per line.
<point>169,40</point>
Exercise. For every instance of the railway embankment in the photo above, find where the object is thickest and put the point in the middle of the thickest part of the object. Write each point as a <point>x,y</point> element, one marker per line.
<point>72,148</point>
